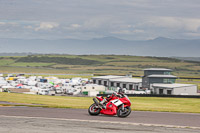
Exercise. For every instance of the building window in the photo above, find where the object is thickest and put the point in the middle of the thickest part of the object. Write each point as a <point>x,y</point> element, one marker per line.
<point>118,84</point>
<point>169,92</point>
<point>169,81</point>
<point>105,83</point>
<point>94,81</point>
<point>124,85</point>
<point>167,73</point>
<point>172,80</point>
<point>136,87</point>
<point>160,91</point>
<point>130,87</point>
<point>92,87</point>
<point>165,80</point>
<point>99,82</point>
<point>112,84</point>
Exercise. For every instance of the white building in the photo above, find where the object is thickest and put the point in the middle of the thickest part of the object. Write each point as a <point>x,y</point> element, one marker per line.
<point>104,80</point>
<point>119,81</point>
<point>128,83</point>
<point>92,89</point>
<point>174,89</point>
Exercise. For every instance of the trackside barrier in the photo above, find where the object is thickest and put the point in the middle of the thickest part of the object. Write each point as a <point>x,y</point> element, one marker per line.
<point>155,95</point>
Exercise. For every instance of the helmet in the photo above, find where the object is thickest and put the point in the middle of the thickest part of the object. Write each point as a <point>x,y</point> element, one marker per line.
<point>122,91</point>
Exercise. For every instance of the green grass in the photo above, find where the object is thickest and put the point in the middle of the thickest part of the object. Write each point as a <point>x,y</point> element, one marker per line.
<point>190,105</point>
<point>186,105</point>
<point>98,64</point>
<point>33,64</point>
<point>5,62</point>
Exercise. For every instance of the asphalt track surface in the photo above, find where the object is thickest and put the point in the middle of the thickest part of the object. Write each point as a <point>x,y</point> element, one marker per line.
<point>36,119</point>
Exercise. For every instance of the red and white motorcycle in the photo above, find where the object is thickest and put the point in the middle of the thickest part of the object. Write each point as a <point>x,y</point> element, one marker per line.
<point>116,105</point>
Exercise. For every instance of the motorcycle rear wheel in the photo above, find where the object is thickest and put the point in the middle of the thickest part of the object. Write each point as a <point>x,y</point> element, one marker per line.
<point>124,113</point>
<point>94,111</point>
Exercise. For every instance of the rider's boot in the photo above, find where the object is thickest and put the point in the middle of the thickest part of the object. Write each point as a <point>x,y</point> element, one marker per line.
<point>102,103</point>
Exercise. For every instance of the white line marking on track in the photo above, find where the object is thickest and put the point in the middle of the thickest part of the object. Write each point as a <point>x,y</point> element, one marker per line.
<point>175,113</point>
<point>97,121</point>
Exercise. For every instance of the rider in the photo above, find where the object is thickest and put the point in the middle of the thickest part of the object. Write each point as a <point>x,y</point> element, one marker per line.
<point>120,94</point>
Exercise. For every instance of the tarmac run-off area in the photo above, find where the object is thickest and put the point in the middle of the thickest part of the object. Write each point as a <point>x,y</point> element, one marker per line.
<point>35,119</point>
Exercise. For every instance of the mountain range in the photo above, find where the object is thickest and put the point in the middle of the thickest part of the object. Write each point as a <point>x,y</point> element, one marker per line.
<point>160,46</point>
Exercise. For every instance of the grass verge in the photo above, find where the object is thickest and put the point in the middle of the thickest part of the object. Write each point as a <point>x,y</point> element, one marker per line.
<point>185,105</point>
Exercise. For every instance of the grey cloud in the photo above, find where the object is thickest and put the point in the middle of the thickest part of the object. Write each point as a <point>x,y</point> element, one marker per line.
<point>127,19</point>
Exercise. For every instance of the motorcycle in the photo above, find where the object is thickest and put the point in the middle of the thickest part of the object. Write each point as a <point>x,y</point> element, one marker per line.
<point>119,106</point>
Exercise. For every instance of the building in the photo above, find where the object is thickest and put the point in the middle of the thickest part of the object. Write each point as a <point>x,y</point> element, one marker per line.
<point>157,75</point>
<point>92,89</point>
<point>118,81</point>
<point>105,80</point>
<point>160,81</point>
<point>155,81</point>
<point>175,89</point>
<point>128,83</point>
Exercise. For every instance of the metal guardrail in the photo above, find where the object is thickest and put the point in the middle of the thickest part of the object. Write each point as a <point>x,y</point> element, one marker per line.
<point>156,95</point>
<point>51,74</point>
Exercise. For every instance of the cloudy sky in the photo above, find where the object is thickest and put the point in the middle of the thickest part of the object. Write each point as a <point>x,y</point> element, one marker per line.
<point>87,19</point>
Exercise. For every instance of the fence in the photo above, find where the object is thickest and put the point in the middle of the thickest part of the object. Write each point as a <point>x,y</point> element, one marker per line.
<point>154,95</point>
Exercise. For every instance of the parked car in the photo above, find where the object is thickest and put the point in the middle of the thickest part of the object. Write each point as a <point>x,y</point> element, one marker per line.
<point>43,92</point>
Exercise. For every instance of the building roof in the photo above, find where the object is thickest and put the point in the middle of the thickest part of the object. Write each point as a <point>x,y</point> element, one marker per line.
<point>108,77</point>
<point>172,85</point>
<point>129,80</point>
<point>161,76</point>
<point>157,69</point>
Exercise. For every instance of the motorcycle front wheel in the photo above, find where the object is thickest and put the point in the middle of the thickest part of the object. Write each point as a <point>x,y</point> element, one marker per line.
<point>93,110</point>
<point>124,113</point>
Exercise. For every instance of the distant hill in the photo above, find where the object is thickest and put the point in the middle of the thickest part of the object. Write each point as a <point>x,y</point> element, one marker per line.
<point>107,45</point>
<point>192,59</point>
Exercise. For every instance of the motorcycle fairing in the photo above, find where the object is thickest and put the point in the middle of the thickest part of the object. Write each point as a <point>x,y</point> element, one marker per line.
<point>116,102</point>
<point>126,101</point>
<point>111,109</point>
<point>100,98</point>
